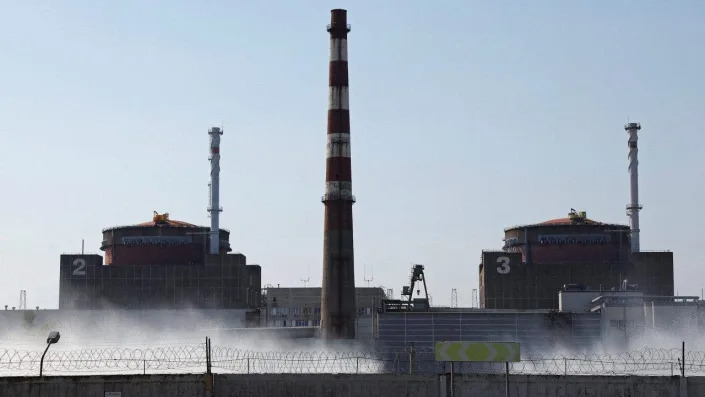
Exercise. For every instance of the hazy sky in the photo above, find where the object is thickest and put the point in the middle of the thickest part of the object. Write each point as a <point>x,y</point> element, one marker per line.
<point>467,117</point>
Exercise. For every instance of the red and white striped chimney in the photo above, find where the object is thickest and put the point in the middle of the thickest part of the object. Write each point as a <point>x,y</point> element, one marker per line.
<point>338,308</point>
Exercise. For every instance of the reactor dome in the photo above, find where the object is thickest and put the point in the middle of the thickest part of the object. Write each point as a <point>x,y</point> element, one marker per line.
<point>162,241</point>
<point>575,239</point>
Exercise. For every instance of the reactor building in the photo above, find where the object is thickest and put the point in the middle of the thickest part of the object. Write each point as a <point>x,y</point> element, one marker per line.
<point>574,253</point>
<point>164,264</point>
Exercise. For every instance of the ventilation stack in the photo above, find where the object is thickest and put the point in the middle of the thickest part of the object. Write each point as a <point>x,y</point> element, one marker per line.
<point>214,209</point>
<point>338,309</point>
<point>634,207</point>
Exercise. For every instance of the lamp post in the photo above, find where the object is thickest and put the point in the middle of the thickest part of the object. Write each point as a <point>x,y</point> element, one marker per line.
<point>53,338</point>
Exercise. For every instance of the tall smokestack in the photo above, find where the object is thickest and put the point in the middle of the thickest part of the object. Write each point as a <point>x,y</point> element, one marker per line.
<point>634,207</point>
<point>214,208</point>
<point>338,310</point>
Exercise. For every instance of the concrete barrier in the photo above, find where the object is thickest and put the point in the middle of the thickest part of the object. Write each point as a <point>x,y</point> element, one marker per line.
<point>327,385</point>
<point>348,385</point>
<point>566,386</point>
<point>101,386</point>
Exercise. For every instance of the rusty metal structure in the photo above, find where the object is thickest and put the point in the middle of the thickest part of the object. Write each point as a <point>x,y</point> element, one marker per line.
<point>338,291</point>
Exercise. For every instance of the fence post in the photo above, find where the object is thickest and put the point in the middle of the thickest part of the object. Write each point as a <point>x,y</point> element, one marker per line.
<point>248,365</point>
<point>565,366</point>
<point>452,381</point>
<point>411,358</point>
<point>357,365</point>
<point>208,355</point>
<point>145,367</point>
<point>683,360</point>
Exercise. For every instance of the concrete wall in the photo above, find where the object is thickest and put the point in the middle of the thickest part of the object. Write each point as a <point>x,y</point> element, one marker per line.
<point>224,282</point>
<point>565,386</point>
<point>507,282</point>
<point>98,386</point>
<point>315,385</point>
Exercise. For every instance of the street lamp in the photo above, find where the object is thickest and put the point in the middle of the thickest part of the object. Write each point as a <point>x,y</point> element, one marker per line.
<point>53,338</point>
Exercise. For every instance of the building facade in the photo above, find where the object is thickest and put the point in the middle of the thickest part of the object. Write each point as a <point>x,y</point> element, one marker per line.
<point>301,307</point>
<point>159,265</point>
<point>537,260</point>
<point>633,321</point>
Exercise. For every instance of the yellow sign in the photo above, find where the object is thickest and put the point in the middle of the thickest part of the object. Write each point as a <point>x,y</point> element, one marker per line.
<point>477,351</point>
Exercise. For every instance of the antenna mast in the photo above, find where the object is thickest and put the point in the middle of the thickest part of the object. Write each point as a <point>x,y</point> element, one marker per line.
<point>368,280</point>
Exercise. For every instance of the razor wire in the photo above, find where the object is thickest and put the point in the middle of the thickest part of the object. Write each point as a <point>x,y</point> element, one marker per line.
<point>192,359</point>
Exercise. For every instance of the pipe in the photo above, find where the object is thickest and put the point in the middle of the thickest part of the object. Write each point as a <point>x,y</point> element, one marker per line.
<point>634,207</point>
<point>214,208</point>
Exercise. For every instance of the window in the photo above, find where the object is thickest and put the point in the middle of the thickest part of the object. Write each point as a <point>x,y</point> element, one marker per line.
<point>317,323</point>
<point>300,323</point>
<point>296,311</point>
<point>307,311</point>
<point>316,310</point>
<point>621,324</point>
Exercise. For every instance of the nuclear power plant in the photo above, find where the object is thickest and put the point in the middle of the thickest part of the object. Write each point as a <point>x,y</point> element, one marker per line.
<point>574,281</point>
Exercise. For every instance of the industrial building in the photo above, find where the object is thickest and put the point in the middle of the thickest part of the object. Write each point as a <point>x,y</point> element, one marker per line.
<point>163,264</point>
<point>631,320</point>
<point>301,307</point>
<point>535,330</point>
<point>410,324</point>
<point>537,260</point>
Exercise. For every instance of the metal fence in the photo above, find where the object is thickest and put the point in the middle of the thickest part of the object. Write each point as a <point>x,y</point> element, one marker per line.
<point>194,359</point>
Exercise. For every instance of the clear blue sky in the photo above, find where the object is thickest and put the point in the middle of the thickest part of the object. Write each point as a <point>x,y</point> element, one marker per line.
<point>467,117</point>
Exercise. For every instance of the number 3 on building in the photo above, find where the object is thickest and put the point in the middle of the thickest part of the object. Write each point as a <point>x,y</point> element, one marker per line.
<point>79,267</point>
<point>504,267</point>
